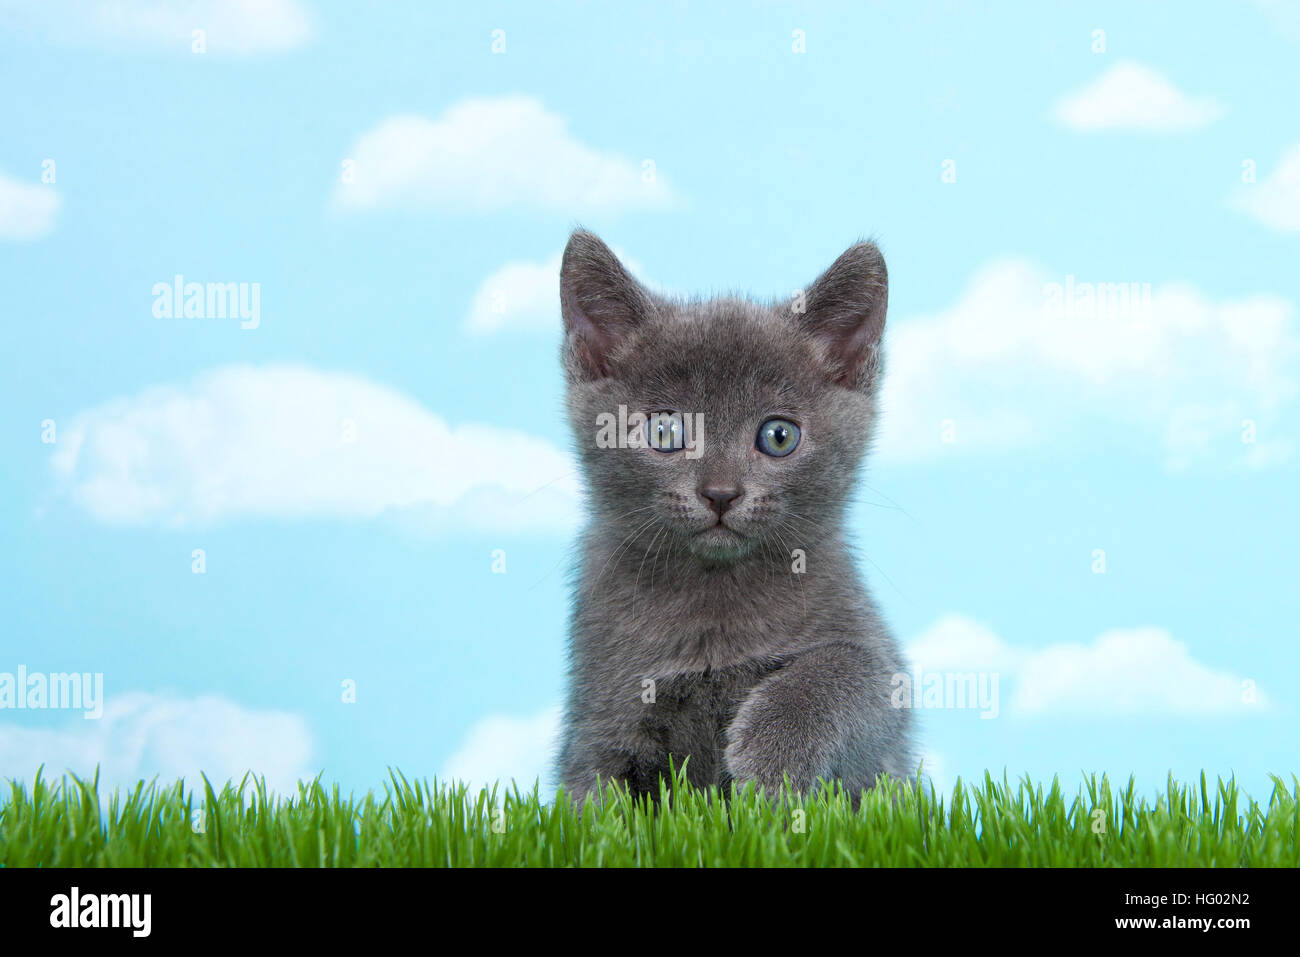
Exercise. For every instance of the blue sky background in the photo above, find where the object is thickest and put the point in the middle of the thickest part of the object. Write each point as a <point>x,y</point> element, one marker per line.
<point>1122,166</point>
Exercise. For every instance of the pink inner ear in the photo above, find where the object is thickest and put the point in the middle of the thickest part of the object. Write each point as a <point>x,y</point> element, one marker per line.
<point>592,349</point>
<point>593,345</point>
<point>853,346</point>
<point>846,309</point>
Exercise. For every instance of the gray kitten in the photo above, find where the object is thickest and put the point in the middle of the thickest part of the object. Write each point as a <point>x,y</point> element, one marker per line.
<point>718,612</point>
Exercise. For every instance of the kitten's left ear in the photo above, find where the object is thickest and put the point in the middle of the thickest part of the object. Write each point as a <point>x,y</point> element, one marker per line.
<point>845,310</point>
<point>601,304</point>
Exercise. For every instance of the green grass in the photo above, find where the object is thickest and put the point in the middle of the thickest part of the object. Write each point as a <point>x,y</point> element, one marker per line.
<point>65,823</point>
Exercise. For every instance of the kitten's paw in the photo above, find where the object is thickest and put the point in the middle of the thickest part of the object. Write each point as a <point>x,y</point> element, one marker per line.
<point>771,740</point>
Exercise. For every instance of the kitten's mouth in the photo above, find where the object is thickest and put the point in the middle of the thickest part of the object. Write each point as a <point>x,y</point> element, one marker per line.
<point>718,529</point>
<point>720,542</point>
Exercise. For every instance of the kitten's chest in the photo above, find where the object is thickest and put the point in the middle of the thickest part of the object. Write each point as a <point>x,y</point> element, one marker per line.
<point>689,712</point>
<point>691,629</point>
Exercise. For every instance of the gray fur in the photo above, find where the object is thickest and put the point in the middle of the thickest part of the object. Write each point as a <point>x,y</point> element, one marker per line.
<point>758,672</point>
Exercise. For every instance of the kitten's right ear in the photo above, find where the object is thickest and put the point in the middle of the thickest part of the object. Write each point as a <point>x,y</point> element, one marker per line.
<point>845,310</point>
<point>601,303</point>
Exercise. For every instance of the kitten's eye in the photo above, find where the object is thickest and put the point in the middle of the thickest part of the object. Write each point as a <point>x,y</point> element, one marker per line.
<point>777,437</point>
<point>664,432</point>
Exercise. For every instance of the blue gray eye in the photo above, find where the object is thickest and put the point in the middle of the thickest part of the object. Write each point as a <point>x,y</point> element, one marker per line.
<point>664,431</point>
<point>777,437</point>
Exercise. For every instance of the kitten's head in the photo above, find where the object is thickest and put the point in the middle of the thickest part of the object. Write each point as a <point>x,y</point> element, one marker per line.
<point>756,415</point>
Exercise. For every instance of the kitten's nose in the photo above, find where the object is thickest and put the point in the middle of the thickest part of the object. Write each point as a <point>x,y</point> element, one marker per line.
<point>720,496</point>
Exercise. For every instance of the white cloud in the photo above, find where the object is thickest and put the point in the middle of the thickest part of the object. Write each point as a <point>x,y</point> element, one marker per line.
<point>524,296</point>
<point>1130,96</point>
<point>288,440</point>
<point>520,295</point>
<point>485,154</point>
<point>27,211</point>
<point>1124,671</point>
<point>1275,200</point>
<point>1025,357</point>
<point>960,644</point>
<point>502,748</point>
<point>231,27</point>
<point>141,736</point>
